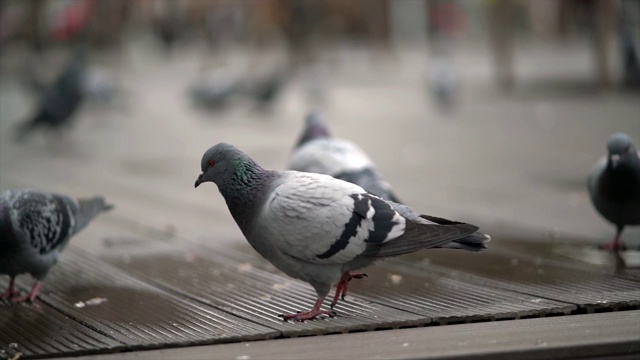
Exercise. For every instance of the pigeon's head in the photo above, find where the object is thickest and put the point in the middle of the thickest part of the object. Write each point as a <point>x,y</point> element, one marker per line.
<point>221,163</point>
<point>315,128</point>
<point>620,148</point>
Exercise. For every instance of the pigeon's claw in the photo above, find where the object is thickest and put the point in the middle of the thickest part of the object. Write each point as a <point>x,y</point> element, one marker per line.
<point>11,292</point>
<point>343,285</point>
<point>615,244</point>
<point>30,297</point>
<point>357,276</point>
<point>309,315</point>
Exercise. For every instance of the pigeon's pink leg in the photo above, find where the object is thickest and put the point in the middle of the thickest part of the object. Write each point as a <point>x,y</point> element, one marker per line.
<point>616,244</point>
<point>343,285</point>
<point>309,315</point>
<point>11,291</point>
<point>35,291</point>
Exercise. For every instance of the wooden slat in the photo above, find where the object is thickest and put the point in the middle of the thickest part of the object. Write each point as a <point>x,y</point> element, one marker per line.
<point>435,295</point>
<point>615,335</point>
<point>134,313</point>
<point>38,330</point>
<point>260,296</point>
<point>576,253</point>
<point>447,300</point>
<point>591,290</point>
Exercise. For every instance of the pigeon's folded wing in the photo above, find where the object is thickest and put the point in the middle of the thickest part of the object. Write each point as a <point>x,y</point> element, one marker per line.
<point>319,219</point>
<point>45,220</point>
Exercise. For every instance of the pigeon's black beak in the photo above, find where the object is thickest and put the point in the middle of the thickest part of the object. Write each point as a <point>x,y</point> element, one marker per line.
<point>199,179</point>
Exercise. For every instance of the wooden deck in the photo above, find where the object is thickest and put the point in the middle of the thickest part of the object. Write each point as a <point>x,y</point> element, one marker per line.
<point>193,295</point>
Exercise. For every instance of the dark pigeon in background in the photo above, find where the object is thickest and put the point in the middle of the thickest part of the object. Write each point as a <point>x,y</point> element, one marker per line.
<point>318,152</point>
<point>58,103</point>
<point>614,185</point>
<point>214,92</point>
<point>35,227</point>
<point>317,228</point>
<point>265,89</point>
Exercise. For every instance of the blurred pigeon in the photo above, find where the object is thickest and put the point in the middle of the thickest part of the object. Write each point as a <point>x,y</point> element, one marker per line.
<point>97,85</point>
<point>265,90</point>
<point>214,93</point>
<point>318,152</point>
<point>444,83</point>
<point>167,22</point>
<point>58,103</point>
<point>36,226</point>
<point>317,228</point>
<point>614,185</point>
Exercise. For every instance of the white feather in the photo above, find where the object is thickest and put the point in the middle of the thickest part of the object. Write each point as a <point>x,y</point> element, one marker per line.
<point>329,156</point>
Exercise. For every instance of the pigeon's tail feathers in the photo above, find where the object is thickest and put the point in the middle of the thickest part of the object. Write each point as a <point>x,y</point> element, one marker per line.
<point>90,208</point>
<point>474,242</point>
<point>418,236</point>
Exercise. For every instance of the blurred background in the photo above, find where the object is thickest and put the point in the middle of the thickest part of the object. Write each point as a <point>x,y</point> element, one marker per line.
<point>490,111</point>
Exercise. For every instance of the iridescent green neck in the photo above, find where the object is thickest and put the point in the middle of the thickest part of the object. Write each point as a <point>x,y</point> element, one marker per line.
<point>244,190</point>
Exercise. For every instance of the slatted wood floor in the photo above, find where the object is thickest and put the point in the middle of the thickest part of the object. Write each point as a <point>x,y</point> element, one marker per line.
<point>188,294</point>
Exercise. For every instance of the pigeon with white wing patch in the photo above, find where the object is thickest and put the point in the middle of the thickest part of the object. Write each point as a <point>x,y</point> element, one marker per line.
<point>317,228</point>
<point>319,152</point>
<point>35,227</point>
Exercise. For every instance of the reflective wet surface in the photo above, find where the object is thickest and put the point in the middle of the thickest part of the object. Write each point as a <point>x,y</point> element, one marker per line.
<point>190,294</point>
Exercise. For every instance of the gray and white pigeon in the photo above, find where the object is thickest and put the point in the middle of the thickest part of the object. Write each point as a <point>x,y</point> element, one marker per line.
<point>614,185</point>
<point>319,152</point>
<point>317,228</point>
<point>35,227</point>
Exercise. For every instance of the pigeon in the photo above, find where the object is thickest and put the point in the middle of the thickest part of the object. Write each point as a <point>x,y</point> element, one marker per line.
<point>214,93</point>
<point>318,152</point>
<point>35,227</point>
<point>444,83</point>
<point>58,103</point>
<point>266,89</point>
<point>317,228</point>
<point>614,185</point>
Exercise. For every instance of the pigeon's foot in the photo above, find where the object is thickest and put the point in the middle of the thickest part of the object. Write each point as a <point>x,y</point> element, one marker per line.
<point>11,292</point>
<point>30,297</point>
<point>343,285</point>
<point>613,246</point>
<point>309,315</point>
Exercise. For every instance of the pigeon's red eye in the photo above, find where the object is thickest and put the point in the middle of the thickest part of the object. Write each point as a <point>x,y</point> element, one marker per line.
<point>211,163</point>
